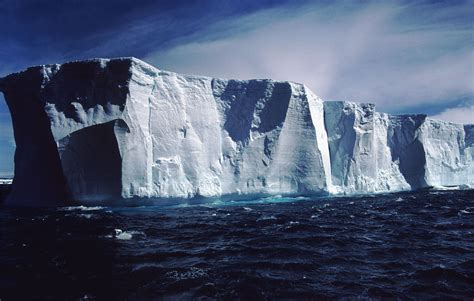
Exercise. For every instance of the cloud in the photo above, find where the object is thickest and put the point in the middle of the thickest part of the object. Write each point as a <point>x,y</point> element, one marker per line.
<point>464,114</point>
<point>391,54</point>
<point>41,32</point>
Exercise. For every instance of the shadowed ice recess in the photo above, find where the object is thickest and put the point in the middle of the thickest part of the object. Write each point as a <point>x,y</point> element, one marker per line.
<point>119,131</point>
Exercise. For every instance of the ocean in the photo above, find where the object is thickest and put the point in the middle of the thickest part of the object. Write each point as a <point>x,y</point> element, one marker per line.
<point>414,245</point>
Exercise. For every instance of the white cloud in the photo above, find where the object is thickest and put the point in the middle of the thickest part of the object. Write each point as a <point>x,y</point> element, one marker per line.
<point>458,115</point>
<point>368,53</point>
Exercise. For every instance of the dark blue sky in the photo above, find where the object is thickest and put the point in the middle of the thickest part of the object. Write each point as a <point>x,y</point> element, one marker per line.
<point>37,32</point>
<point>405,56</point>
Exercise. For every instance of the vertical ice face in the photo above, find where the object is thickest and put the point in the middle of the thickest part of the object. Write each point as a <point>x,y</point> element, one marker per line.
<point>350,129</point>
<point>251,115</point>
<point>389,177</point>
<point>406,148</point>
<point>430,152</point>
<point>117,129</point>
<point>185,134</point>
<point>215,137</point>
<point>301,162</point>
<point>134,133</point>
<point>448,153</point>
<point>468,152</point>
<point>374,152</point>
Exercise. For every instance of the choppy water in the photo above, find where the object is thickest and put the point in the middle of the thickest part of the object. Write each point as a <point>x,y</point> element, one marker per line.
<point>408,246</point>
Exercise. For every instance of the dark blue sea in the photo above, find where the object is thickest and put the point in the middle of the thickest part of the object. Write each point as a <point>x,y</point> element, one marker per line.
<point>398,246</point>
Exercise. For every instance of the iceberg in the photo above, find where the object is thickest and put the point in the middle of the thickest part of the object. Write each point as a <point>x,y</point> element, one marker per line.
<point>121,130</point>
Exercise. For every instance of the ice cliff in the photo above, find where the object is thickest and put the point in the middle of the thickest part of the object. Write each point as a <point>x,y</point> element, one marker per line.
<point>377,152</point>
<point>119,129</point>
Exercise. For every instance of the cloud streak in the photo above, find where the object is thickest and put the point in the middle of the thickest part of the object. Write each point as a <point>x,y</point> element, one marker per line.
<point>394,55</point>
<point>461,114</point>
<point>39,32</point>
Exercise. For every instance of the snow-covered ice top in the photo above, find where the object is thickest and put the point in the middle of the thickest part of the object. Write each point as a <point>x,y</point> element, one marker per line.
<point>122,129</point>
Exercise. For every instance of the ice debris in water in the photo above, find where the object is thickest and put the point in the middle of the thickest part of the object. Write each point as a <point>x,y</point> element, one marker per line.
<point>126,235</point>
<point>121,235</point>
<point>81,208</point>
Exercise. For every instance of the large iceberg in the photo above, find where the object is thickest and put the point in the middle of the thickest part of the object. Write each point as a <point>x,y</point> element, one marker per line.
<point>115,130</point>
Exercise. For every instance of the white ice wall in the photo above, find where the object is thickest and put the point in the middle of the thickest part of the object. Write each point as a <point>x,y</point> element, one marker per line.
<point>449,159</point>
<point>212,137</point>
<point>177,136</point>
<point>376,152</point>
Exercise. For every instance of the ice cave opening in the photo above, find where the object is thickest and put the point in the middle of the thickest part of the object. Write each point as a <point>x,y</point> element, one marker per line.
<point>92,163</point>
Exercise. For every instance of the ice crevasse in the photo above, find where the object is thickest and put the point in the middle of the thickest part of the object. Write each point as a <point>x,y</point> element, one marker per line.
<point>114,130</point>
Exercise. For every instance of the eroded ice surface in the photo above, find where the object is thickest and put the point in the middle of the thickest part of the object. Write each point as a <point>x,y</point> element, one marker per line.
<point>112,129</point>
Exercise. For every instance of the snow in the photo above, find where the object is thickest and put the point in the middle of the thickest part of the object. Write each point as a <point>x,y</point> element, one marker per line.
<point>125,129</point>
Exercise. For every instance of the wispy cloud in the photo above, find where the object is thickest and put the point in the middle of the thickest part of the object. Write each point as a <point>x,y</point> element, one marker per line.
<point>460,114</point>
<point>38,32</point>
<point>392,54</point>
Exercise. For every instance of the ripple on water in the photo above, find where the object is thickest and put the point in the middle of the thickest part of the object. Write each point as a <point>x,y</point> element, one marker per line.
<point>400,246</point>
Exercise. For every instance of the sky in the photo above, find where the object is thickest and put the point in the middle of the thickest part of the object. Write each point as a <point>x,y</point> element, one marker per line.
<point>404,56</point>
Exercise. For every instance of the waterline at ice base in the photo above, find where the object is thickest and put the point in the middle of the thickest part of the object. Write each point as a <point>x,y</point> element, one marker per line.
<point>120,131</point>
